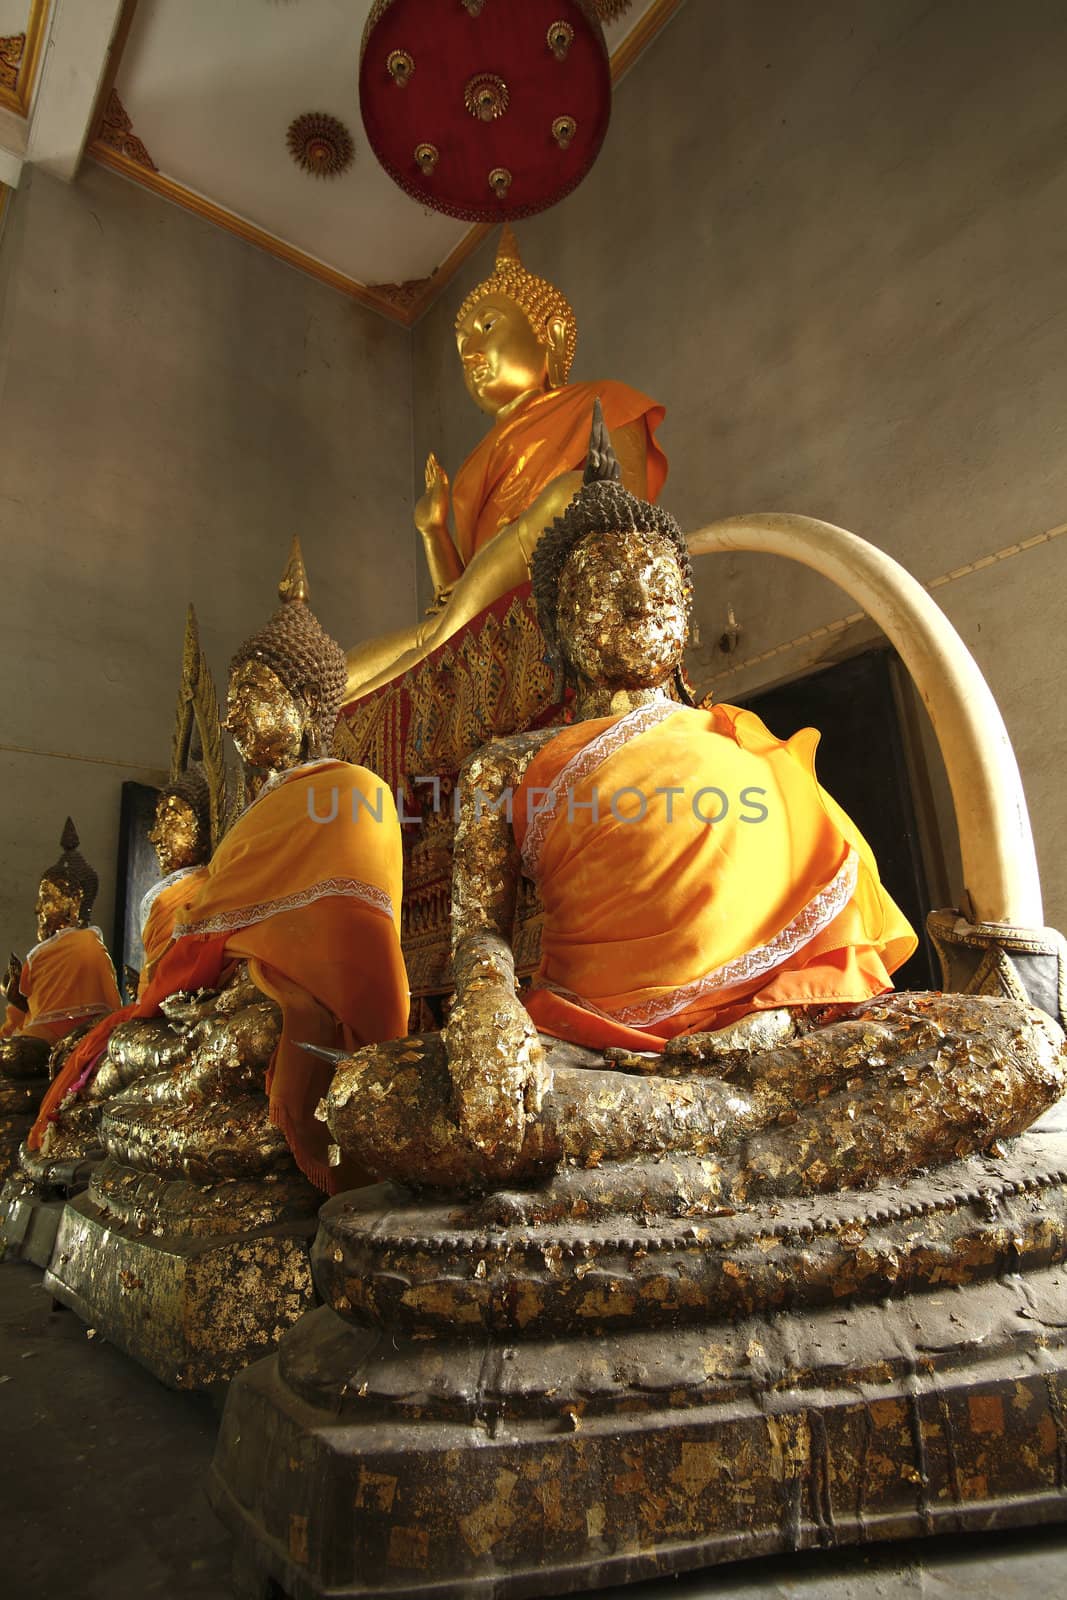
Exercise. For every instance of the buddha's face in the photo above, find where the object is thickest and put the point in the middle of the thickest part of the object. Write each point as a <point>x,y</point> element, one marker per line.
<point>175,834</point>
<point>266,720</point>
<point>501,354</point>
<point>622,610</point>
<point>58,906</point>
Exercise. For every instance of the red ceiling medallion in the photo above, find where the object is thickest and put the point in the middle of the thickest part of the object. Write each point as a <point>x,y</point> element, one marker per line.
<point>507,111</point>
<point>320,144</point>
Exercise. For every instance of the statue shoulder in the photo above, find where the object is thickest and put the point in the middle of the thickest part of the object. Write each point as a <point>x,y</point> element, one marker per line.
<point>503,762</point>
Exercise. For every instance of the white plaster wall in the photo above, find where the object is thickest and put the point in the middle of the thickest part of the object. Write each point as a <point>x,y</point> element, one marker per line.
<point>832,239</point>
<point>174,405</point>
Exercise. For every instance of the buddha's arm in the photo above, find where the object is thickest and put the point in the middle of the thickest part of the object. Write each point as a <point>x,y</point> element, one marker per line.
<point>494,1055</point>
<point>499,566</point>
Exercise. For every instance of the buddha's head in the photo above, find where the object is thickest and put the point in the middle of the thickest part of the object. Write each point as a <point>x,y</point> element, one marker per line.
<point>181,832</point>
<point>516,333</point>
<point>612,582</point>
<point>286,682</point>
<point>67,890</point>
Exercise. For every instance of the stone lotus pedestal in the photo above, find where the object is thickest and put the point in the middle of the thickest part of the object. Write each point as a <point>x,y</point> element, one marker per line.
<point>495,1402</point>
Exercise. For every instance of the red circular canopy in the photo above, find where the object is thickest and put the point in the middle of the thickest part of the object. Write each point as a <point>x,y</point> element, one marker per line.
<point>485,109</point>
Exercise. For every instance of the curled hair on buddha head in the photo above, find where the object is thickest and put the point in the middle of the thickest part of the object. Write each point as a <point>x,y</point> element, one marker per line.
<point>72,872</point>
<point>601,506</point>
<point>191,785</point>
<point>296,647</point>
<point>537,299</point>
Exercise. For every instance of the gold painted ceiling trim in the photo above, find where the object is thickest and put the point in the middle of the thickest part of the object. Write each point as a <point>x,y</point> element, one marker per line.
<point>404,303</point>
<point>201,207</point>
<point>18,96</point>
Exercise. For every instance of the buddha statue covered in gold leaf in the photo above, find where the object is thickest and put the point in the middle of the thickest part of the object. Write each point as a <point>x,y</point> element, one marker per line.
<point>695,878</point>
<point>291,935</point>
<point>65,983</point>
<point>709,1243</point>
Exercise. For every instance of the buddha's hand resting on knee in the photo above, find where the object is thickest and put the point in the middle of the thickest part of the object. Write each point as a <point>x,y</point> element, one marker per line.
<point>497,1065</point>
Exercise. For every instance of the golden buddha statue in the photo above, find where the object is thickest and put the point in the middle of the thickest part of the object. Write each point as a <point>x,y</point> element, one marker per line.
<point>66,982</point>
<point>292,934</point>
<point>122,1047</point>
<point>516,335</point>
<point>707,907</point>
<point>707,1245</point>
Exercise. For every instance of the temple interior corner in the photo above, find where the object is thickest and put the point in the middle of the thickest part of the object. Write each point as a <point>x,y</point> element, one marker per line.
<point>534,586</point>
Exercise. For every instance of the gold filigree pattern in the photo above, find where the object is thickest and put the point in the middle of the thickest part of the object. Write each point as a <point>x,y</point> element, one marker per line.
<point>116,131</point>
<point>489,681</point>
<point>486,96</point>
<point>11,51</point>
<point>400,64</point>
<point>320,144</point>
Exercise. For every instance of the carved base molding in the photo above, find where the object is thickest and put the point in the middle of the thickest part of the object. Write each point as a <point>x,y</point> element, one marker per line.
<point>193,1309</point>
<point>356,1464</point>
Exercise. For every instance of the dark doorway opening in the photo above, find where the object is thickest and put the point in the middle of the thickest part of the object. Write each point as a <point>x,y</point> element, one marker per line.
<point>862,762</point>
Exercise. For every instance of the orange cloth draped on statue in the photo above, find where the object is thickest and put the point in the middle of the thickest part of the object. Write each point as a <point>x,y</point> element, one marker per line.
<point>14,1017</point>
<point>547,436</point>
<point>314,906</point>
<point>162,906</point>
<point>66,980</point>
<point>159,908</point>
<point>745,888</point>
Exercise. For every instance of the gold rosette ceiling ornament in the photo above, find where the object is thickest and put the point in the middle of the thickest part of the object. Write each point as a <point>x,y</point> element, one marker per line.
<point>486,110</point>
<point>320,144</point>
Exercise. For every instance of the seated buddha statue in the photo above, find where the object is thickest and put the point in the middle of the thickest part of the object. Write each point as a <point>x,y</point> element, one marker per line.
<point>121,1047</point>
<point>516,335</point>
<point>296,918</point>
<point>717,950</point>
<point>66,982</point>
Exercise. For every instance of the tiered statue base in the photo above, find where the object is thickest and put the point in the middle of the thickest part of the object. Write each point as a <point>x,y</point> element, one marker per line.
<point>20,1097</point>
<point>194,1281</point>
<point>653,1390</point>
<point>32,1202</point>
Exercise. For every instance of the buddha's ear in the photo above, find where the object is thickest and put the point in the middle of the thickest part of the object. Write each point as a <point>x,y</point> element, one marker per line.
<point>556,350</point>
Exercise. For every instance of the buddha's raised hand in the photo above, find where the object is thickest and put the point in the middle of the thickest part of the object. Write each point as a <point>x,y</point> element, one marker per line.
<point>11,980</point>
<point>431,511</point>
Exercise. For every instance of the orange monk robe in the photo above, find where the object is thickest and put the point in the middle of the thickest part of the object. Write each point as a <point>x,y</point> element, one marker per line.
<point>14,1017</point>
<point>746,889</point>
<point>306,886</point>
<point>547,436</point>
<point>67,980</point>
<point>159,908</point>
<point>162,905</point>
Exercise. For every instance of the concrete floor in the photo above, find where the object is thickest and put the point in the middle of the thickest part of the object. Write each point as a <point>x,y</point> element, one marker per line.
<point>101,1495</point>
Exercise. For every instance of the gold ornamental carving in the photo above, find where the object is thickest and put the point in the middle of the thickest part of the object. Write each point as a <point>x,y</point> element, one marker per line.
<point>116,132</point>
<point>486,96</point>
<point>426,158</point>
<point>500,181</point>
<point>11,50</point>
<point>400,64</point>
<point>560,38</point>
<point>320,144</point>
<point>563,131</point>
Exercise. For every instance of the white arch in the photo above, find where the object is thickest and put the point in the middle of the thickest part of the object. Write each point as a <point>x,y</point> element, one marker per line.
<point>999,862</point>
